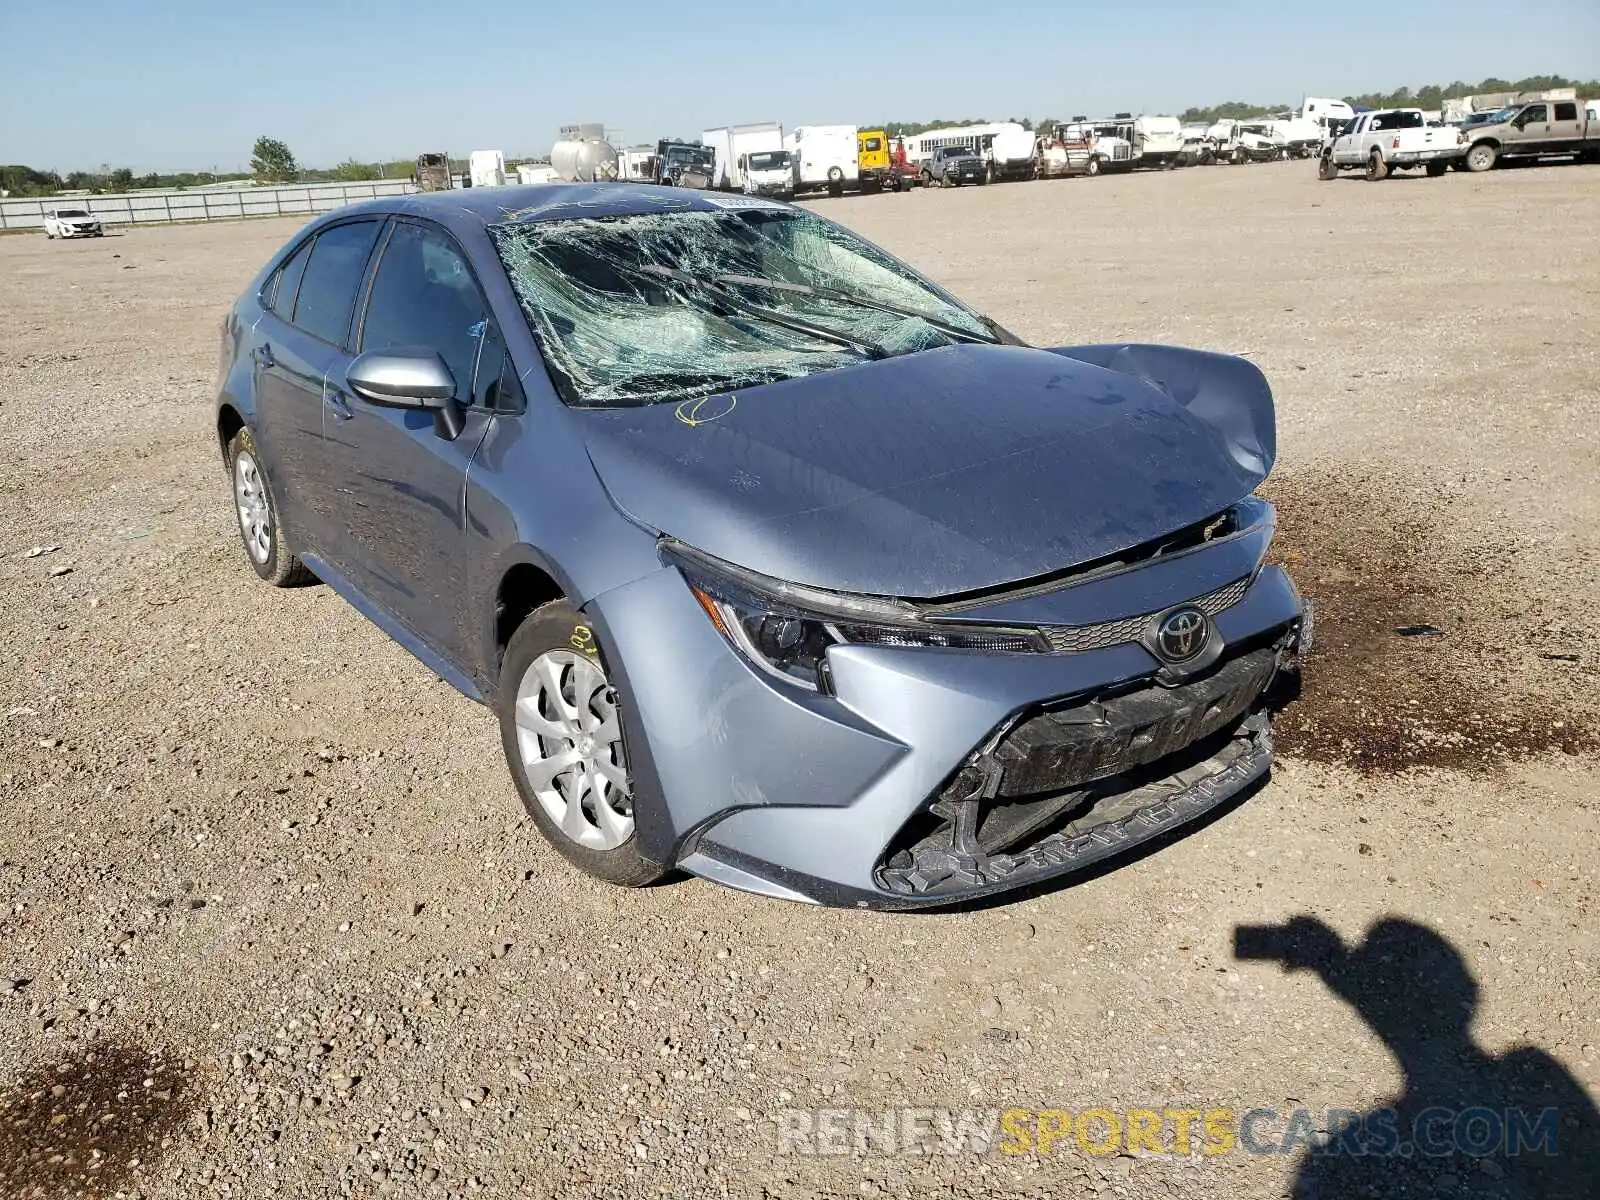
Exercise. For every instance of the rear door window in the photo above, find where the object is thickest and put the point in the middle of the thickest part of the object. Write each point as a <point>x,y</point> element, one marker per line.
<point>332,279</point>
<point>1566,112</point>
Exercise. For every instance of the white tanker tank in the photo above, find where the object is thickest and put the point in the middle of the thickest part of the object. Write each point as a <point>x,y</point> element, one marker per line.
<point>583,155</point>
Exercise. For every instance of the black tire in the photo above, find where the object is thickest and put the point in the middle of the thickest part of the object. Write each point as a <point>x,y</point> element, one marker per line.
<point>558,627</point>
<point>1326,169</point>
<point>1437,168</point>
<point>1481,157</point>
<point>278,565</point>
<point>1376,168</point>
<point>1093,167</point>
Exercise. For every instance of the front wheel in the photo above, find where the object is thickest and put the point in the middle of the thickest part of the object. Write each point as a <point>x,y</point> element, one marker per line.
<point>1481,157</point>
<point>561,728</point>
<point>1326,168</point>
<point>260,525</point>
<point>1093,168</point>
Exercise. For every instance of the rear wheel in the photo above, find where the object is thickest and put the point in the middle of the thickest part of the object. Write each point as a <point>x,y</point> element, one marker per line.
<point>1481,157</point>
<point>260,526</point>
<point>561,728</point>
<point>1376,168</point>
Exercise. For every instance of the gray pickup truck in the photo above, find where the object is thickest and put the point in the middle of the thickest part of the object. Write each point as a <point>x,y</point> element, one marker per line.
<point>1543,128</point>
<point>951,166</point>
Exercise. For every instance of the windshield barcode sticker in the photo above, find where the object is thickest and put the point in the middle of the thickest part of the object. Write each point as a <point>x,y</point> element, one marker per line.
<point>740,202</point>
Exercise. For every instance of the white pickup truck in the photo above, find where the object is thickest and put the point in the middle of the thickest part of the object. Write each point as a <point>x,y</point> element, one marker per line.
<point>1390,139</point>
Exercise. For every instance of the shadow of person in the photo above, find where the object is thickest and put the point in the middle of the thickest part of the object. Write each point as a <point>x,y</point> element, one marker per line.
<point>1515,1126</point>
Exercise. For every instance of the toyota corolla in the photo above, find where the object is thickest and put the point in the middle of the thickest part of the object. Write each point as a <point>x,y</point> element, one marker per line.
<point>779,564</point>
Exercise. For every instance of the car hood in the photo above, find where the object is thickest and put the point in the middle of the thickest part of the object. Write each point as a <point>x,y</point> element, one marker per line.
<point>944,472</point>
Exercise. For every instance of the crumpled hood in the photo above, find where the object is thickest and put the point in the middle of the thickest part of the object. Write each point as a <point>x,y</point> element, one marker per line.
<point>944,472</point>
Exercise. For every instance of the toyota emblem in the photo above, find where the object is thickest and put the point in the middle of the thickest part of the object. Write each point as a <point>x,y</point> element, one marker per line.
<point>1182,634</point>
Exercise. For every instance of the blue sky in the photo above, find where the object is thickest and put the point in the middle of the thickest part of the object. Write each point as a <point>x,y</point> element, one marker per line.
<point>174,84</point>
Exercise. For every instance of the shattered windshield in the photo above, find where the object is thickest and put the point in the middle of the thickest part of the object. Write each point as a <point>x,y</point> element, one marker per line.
<point>660,306</point>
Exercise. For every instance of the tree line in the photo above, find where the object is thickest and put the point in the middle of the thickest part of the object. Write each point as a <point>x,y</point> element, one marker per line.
<point>1431,96</point>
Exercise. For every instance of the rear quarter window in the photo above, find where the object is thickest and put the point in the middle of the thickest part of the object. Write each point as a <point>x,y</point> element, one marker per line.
<point>284,286</point>
<point>327,296</point>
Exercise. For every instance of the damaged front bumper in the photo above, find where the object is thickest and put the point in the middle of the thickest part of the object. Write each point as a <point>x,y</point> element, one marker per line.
<point>928,777</point>
<point>1072,785</point>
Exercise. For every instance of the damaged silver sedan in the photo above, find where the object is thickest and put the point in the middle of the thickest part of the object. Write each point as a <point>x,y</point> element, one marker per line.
<point>779,564</point>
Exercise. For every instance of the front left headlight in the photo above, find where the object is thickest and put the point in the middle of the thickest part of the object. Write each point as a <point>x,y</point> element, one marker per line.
<point>785,629</point>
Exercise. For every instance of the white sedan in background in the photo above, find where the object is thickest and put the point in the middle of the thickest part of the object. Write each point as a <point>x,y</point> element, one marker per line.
<point>72,222</point>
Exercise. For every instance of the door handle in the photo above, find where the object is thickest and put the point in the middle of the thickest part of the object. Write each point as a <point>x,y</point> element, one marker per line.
<point>336,402</point>
<point>263,356</point>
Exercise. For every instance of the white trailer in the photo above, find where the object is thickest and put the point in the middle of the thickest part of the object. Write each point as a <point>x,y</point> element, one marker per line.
<point>487,168</point>
<point>535,173</point>
<point>825,156</point>
<point>733,142</point>
<point>1157,141</point>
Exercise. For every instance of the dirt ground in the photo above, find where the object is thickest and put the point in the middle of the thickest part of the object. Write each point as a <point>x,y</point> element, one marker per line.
<point>274,924</point>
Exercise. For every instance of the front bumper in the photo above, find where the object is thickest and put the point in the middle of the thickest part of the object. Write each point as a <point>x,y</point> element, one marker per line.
<point>77,231</point>
<point>886,794</point>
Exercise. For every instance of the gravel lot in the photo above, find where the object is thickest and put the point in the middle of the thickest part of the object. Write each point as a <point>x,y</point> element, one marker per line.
<point>271,907</point>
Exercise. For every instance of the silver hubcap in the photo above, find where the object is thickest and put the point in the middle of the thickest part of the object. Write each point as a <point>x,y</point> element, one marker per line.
<point>255,514</point>
<point>571,748</point>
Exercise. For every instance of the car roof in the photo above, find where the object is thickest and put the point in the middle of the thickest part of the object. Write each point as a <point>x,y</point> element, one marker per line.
<point>462,208</point>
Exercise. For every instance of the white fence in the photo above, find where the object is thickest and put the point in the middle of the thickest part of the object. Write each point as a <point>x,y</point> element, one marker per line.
<point>201,204</point>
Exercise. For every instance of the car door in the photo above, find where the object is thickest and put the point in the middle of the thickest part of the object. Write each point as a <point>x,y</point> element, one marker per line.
<point>1530,132</point>
<point>401,501</point>
<point>299,338</point>
<point>1566,130</point>
<point>1347,148</point>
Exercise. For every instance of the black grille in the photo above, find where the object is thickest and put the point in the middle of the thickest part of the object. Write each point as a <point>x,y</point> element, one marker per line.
<point>1070,747</point>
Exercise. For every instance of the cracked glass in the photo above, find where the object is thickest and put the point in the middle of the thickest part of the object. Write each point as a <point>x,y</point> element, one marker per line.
<point>658,306</point>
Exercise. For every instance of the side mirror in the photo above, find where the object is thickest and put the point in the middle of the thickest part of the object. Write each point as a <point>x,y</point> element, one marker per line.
<point>409,377</point>
<point>403,377</point>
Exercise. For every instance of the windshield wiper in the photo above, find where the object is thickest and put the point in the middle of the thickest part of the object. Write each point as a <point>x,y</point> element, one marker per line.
<point>826,333</point>
<point>806,289</point>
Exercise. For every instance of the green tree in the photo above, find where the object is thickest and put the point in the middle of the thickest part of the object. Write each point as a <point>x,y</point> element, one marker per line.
<point>19,180</point>
<point>120,180</point>
<point>272,162</point>
<point>351,171</point>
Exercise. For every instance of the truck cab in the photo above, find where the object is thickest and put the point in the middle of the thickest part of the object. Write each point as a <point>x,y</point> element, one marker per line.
<point>872,160</point>
<point>767,173</point>
<point>685,164</point>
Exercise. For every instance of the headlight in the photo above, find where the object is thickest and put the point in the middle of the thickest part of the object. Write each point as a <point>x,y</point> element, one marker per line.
<point>785,629</point>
